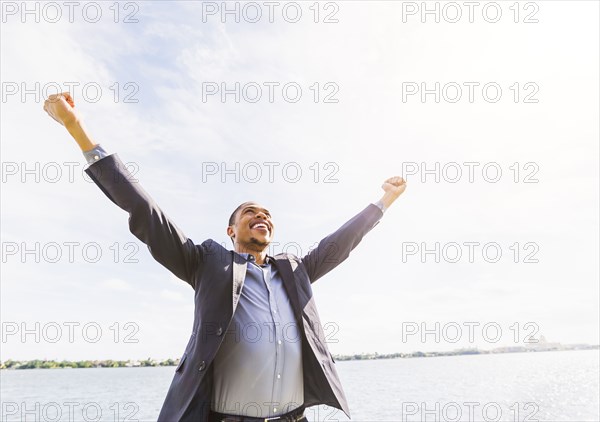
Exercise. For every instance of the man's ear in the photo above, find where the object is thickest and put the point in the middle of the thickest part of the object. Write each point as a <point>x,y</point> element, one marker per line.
<point>230,232</point>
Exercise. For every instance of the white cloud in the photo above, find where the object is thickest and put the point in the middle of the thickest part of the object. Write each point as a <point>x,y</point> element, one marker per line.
<point>116,284</point>
<point>171,295</point>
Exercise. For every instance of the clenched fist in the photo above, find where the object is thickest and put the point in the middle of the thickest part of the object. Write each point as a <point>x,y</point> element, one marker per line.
<point>394,186</point>
<point>61,108</point>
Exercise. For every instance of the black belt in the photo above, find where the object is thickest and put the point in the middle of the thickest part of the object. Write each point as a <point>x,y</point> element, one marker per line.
<point>293,416</point>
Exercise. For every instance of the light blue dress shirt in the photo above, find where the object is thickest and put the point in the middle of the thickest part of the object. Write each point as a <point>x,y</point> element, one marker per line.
<point>258,369</point>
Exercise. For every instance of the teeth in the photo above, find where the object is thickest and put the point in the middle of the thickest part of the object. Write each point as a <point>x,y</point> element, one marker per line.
<point>260,225</point>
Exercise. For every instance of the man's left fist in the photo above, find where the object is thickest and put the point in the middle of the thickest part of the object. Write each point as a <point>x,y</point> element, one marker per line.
<point>394,186</point>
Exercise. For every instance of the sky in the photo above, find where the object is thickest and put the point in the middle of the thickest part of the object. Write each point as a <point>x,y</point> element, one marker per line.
<point>490,114</point>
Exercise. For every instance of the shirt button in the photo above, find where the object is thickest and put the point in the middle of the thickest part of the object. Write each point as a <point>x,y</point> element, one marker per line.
<point>278,375</point>
<point>274,409</point>
<point>278,341</point>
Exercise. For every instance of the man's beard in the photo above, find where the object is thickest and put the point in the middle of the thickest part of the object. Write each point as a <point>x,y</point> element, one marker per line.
<point>255,241</point>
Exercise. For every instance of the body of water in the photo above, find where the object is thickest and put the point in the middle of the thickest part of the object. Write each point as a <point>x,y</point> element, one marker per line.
<point>546,386</point>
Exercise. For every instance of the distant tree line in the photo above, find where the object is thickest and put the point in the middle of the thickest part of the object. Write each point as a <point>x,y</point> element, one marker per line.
<point>51,364</point>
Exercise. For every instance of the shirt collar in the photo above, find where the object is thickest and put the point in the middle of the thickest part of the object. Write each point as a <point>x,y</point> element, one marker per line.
<point>250,258</point>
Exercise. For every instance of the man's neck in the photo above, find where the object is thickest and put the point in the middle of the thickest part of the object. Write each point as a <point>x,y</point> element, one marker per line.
<point>259,255</point>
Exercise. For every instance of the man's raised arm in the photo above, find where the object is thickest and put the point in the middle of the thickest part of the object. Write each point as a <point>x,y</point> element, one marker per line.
<point>167,244</point>
<point>336,247</point>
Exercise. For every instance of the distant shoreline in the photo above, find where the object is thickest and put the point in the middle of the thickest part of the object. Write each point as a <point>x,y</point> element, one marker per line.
<point>460,352</point>
<point>64,364</point>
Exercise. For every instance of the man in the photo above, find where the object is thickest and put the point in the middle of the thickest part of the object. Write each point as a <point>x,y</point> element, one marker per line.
<point>225,373</point>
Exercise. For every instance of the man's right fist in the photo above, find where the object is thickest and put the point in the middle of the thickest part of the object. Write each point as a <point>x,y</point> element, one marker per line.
<point>61,108</point>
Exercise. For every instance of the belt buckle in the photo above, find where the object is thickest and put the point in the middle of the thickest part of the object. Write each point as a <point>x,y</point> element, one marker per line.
<point>285,418</point>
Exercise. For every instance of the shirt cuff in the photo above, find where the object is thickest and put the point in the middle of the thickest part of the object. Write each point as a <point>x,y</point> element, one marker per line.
<point>95,154</point>
<point>379,204</point>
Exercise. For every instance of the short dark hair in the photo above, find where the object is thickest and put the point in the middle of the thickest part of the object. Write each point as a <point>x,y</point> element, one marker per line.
<point>232,218</point>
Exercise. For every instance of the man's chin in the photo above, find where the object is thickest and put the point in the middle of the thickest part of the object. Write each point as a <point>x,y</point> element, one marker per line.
<point>263,243</point>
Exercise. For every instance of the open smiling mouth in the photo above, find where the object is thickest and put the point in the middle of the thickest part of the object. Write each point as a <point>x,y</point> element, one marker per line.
<point>263,227</point>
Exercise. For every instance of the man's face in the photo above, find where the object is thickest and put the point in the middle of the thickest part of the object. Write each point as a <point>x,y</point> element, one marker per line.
<point>253,228</point>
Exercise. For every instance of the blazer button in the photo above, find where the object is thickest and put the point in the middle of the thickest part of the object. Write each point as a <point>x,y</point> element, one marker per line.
<point>202,366</point>
<point>220,331</point>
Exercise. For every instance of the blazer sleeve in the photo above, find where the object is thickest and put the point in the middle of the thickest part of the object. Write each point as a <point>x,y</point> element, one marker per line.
<point>336,247</point>
<point>166,242</point>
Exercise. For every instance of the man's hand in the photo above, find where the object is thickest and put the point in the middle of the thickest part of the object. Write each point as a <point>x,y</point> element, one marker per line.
<point>394,185</point>
<point>393,188</point>
<point>61,108</point>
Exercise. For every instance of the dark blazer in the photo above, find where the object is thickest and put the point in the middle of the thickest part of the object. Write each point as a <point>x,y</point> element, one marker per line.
<point>217,275</point>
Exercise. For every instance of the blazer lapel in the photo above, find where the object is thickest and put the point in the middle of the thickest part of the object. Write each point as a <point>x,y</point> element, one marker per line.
<point>285,268</point>
<point>239,274</point>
